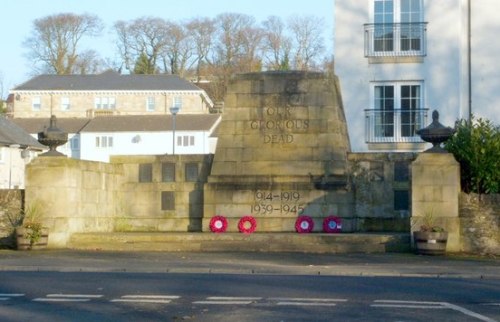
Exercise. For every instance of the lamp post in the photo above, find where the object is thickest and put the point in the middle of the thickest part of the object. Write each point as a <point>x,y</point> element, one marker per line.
<point>174,110</point>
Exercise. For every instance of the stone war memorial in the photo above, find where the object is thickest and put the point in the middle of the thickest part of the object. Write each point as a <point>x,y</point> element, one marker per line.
<point>282,160</point>
<point>281,153</point>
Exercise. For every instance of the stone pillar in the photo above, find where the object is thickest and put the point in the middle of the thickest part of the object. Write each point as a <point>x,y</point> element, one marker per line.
<point>436,189</point>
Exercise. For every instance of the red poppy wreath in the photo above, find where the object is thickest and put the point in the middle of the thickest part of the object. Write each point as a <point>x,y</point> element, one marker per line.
<point>218,224</point>
<point>247,224</point>
<point>304,224</point>
<point>332,224</point>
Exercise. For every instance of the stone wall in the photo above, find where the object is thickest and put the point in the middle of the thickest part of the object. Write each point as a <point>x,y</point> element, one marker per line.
<point>128,194</point>
<point>76,195</point>
<point>10,215</point>
<point>480,223</point>
<point>381,183</point>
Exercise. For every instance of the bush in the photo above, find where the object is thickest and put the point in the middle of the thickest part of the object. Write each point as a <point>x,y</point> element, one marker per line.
<point>476,147</point>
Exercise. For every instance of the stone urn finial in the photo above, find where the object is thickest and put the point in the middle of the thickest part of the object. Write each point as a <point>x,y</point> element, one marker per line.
<point>436,133</point>
<point>52,137</point>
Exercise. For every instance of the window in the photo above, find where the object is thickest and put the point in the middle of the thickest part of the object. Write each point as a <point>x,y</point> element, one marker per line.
<point>167,200</point>
<point>104,103</point>
<point>397,111</point>
<point>185,140</point>
<point>168,172</point>
<point>191,172</point>
<point>65,103</point>
<point>150,104</point>
<point>177,102</point>
<point>104,141</point>
<point>36,104</point>
<point>397,29</point>
<point>145,172</point>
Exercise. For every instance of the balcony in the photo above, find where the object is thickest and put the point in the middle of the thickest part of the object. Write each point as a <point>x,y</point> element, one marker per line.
<point>394,126</point>
<point>395,42</point>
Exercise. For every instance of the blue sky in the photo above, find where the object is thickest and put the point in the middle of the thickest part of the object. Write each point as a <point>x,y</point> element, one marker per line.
<point>18,16</point>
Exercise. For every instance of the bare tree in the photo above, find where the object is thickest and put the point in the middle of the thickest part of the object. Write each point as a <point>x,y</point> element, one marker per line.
<point>308,42</point>
<point>178,50</point>
<point>144,37</point>
<point>54,42</point>
<point>276,44</point>
<point>202,31</point>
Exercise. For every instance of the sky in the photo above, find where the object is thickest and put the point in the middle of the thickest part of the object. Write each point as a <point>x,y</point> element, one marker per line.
<point>18,16</point>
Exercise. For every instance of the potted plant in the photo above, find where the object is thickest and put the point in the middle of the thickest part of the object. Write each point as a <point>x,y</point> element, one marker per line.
<point>32,234</point>
<point>431,239</point>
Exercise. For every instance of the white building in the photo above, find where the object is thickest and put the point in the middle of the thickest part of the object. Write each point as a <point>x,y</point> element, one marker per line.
<point>99,138</point>
<point>398,60</point>
<point>17,148</point>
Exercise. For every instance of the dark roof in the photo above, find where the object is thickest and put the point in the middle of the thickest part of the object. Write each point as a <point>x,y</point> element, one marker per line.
<point>11,133</point>
<point>124,123</point>
<point>107,81</point>
<point>152,123</point>
<point>35,125</point>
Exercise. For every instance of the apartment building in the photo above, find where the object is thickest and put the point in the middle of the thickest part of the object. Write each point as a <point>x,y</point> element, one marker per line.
<point>398,60</point>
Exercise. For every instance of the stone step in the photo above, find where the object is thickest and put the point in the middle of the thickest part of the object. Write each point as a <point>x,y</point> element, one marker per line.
<point>257,242</point>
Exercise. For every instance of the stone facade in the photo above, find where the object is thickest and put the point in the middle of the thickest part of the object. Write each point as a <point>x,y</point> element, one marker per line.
<point>435,191</point>
<point>281,152</point>
<point>480,223</point>
<point>381,183</point>
<point>128,194</point>
<point>82,103</point>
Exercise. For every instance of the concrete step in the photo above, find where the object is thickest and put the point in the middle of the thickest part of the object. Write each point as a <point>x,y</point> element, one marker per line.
<point>257,242</point>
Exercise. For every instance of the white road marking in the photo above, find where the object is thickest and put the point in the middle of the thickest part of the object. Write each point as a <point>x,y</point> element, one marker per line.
<point>159,299</point>
<point>306,304</point>
<point>67,298</point>
<point>85,296</point>
<point>300,301</point>
<point>213,302</point>
<point>430,305</point>
<point>8,296</point>
<point>228,300</point>
<point>44,299</point>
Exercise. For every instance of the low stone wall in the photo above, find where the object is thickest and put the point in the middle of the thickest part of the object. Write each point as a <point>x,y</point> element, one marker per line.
<point>10,215</point>
<point>480,222</point>
<point>381,184</point>
<point>128,194</point>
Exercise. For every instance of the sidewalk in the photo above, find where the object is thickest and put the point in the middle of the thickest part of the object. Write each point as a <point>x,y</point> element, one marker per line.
<point>388,264</point>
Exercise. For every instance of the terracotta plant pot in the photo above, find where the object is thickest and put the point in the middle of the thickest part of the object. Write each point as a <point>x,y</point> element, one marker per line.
<point>430,243</point>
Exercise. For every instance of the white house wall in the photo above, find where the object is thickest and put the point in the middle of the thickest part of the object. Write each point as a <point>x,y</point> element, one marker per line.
<point>443,71</point>
<point>140,143</point>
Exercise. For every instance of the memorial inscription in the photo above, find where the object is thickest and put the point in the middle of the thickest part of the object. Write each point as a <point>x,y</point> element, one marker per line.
<point>277,202</point>
<point>278,125</point>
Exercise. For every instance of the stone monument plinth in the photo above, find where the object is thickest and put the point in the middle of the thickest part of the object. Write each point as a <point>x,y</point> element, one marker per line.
<point>281,153</point>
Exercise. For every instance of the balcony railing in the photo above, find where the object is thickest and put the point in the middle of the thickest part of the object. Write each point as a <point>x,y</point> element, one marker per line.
<point>396,39</point>
<point>394,126</point>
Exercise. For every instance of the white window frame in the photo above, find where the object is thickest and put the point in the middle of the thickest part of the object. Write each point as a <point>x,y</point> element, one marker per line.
<point>104,103</point>
<point>398,33</point>
<point>104,141</point>
<point>36,103</point>
<point>65,104</point>
<point>177,101</point>
<point>398,115</point>
<point>150,104</point>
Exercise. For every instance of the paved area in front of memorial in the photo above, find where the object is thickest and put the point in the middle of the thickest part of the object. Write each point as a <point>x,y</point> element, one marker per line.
<point>387,264</point>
